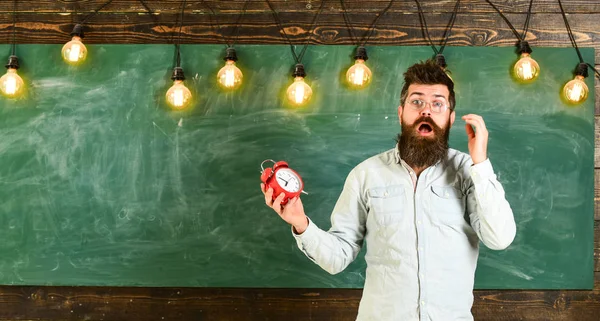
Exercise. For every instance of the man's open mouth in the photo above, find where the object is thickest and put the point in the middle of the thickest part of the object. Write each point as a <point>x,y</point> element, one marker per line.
<point>424,128</point>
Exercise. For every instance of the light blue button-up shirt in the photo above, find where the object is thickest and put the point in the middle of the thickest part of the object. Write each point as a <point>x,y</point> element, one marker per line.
<point>422,234</point>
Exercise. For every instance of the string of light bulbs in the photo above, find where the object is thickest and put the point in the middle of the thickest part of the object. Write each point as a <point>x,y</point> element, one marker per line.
<point>576,91</point>
<point>229,76</point>
<point>359,75</point>
<point>11,84</point>
<point>439,54</point>
<point>299,92</point>
<point>526,69</point>
<point>179,96</point>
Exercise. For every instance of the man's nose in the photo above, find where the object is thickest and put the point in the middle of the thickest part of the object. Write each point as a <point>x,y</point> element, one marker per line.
<point>426,111</point>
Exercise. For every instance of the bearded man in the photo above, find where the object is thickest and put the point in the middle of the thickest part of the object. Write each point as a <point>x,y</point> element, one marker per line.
<point>421,207</point>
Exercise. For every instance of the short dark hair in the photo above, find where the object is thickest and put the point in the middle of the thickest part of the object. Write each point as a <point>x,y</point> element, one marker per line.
<point>427,73</point>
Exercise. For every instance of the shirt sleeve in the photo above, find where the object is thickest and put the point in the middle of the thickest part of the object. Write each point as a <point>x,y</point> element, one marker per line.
<point>490,213</point>
<point>335,249</point>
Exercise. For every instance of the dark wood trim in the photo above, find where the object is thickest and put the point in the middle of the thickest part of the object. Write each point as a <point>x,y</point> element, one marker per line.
<point>234,6</point>
<point>130,303</point>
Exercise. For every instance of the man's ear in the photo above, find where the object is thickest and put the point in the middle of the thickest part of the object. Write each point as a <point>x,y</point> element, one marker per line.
<point>400,114</point>
<point>452,117</point>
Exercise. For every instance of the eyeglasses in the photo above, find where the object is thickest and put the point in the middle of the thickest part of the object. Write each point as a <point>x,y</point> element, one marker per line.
<point>437,106</point>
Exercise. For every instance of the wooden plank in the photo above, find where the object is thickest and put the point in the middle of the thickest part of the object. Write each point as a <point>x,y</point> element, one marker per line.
<point>597,180</point>
<point>597,247</point>
<point>597,87</point>
<point>370,6</point>
<point>469,30</point>
<point>99,303</point>
<point>597,147</point>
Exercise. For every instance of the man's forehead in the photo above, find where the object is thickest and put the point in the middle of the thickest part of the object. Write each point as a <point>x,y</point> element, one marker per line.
<point>437,90</point>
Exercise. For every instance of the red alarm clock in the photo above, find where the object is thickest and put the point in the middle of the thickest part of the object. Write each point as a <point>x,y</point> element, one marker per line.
<point>282,179</point>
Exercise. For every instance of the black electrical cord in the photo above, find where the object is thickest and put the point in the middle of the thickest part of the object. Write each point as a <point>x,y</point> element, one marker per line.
<point>369,32</point>
<point>95,12</point>
<point>425,29</point>
<point>572,38</point>
<point>297,58</point>
<point>236,31</point>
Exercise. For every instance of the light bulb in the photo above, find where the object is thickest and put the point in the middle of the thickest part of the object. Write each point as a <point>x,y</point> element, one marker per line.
<point>11,84</point>
<point>359,75</point>
<point>299,92</point>
<point>178,96</point>
<point>74,52</point>
<point>526,69</point>
<point>576,91</point>
<point>230,76</point>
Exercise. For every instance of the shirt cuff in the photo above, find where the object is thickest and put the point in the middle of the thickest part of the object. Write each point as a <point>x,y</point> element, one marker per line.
<point>482,171</point>
<point>308,234</point>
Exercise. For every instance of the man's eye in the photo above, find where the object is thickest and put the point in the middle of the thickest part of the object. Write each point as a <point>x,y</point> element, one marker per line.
<point>438,104</point>
<point>417,102</point>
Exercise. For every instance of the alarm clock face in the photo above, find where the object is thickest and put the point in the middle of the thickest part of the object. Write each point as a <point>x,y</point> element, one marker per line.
<point>288,180</point>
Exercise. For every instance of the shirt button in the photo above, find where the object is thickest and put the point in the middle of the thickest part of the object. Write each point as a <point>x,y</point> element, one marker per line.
<point>418,222</point>
<point>422,302</point>
<point>385,194</point>
<point>421,249</point>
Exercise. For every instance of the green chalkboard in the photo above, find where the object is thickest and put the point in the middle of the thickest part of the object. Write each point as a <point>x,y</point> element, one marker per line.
<point>102,184</point>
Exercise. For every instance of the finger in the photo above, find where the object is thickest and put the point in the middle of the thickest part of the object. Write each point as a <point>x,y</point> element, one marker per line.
<point>277,203</point>
<point>470,131</point>
<point>269,197</point>
<point>262,187</point>
<point>477,119</point>
<point>293,201</point>
<point>479,127</point>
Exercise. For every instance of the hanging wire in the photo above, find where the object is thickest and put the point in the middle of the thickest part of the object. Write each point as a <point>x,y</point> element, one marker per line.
<point>527,19</point>
<point>95,12</point>
<point>369,32</point>
<point>14,27</point>
<point>425,29</point>
<point>177,45</point>
<point>508,22</point>
<point>236,32</point>
<point>297,58</point>
<point>449,27</point>
<point>572,38</point>
<point>153,16</point>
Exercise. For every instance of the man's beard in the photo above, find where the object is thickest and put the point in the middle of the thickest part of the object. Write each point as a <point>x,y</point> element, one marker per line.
<point>422,151</point>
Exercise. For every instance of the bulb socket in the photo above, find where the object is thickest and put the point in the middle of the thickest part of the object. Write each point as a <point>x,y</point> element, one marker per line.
<point>178,74</point>
<point>440,60</point>
<point>77,31</point>
<point>230,54</point>
<point>524,47</point>
<point>582,70</point>
<point>361,53</point>
<point>13,62</point>
<point>299,71</point>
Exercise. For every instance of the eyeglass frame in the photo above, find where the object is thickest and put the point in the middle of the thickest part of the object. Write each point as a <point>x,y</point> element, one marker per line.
<point>413,107</point>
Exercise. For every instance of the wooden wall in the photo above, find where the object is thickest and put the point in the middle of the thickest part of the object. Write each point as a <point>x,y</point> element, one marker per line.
<point>126,21</point>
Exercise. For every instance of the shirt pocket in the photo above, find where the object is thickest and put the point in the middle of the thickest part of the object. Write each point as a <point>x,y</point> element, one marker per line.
<point>387,204</point>
<point>448,205</point>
